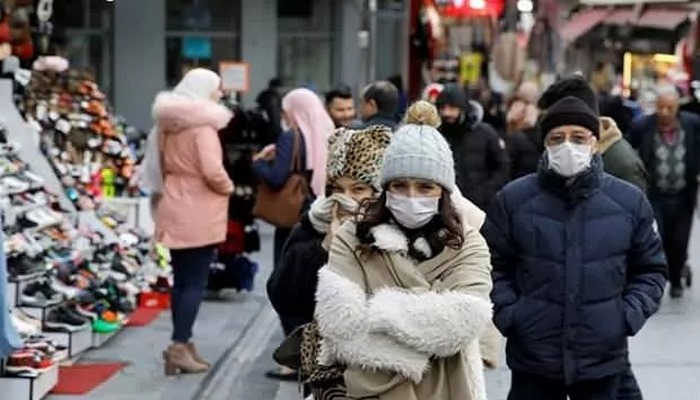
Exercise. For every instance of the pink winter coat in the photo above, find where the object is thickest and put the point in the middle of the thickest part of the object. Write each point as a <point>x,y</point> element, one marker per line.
<point>194,207</point>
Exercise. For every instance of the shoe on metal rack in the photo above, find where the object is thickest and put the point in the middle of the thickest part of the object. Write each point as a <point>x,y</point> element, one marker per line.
<point>62,320</point>
<point>22,267</point>
<point>39,294</point>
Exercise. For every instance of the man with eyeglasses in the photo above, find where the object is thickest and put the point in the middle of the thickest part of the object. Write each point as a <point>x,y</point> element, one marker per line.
<point>578,266</point>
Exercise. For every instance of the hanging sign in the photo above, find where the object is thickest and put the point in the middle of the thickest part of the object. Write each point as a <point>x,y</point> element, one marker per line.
<point>470,67</point>
<point>234,76</point>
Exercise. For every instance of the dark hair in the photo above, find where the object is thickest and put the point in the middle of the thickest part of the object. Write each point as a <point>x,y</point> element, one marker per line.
<point>445,230</point>
<point>397,81</point>
<point>385,95</point>
<point>339,92</point>
<point>575,86</point>
<point>275,83</point>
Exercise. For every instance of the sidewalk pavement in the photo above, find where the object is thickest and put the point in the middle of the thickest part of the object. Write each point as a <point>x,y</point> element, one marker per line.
<point>220,326</point>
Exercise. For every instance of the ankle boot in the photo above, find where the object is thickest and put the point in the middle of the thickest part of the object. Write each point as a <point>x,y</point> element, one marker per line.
<point>195,354</point>
<point>178,359</point>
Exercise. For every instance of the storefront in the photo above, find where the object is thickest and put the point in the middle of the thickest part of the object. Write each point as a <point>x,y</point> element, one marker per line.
<point>292,40</point>
<point>461,30</point>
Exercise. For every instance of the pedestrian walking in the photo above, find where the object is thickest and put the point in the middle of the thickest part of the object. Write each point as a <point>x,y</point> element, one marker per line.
<point>379,105</point>
<point>668,144</point>
<point>404,296</point>
<point>578,266</point>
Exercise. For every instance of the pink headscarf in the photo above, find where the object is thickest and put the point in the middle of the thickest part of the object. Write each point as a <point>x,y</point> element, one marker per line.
<point>305,110</point>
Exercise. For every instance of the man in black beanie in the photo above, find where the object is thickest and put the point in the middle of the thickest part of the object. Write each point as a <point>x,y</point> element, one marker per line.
<point>619,158</point>
<point>578,266</point>
<point>481,160</point>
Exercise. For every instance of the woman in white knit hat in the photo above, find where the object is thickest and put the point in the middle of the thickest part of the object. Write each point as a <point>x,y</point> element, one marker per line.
<point>405,293</point>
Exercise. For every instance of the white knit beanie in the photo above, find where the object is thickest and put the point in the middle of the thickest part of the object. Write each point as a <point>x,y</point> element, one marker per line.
<point>419,151</point>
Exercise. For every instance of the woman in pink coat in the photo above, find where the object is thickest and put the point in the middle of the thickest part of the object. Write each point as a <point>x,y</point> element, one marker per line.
<point>191,214</point>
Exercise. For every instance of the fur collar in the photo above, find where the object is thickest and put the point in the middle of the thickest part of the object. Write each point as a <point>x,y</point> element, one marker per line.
<point>609,134</point>
<point>389,237</point>
<point>175,113</point>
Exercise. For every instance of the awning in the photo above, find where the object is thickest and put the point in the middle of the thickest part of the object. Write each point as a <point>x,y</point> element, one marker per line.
<point>663,19</point>
<point>581,23</point>
<point>621,16</point>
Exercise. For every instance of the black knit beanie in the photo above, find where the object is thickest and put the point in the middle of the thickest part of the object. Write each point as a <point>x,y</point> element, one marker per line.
<point>570,111</point>
<point>575,86</point>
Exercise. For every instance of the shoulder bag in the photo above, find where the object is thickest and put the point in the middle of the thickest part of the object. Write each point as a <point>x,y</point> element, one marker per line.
<point>282,208</point>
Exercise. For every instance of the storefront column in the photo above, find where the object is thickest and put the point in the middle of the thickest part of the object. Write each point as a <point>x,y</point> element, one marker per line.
<point>352,70</point>
<point>139,57</point>
<point>259,44</point>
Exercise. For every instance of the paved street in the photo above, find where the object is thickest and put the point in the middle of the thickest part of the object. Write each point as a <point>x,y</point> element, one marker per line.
<point>242,333</point>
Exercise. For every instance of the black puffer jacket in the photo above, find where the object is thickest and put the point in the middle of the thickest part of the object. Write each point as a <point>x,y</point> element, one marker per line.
<point>481,160</point>
<point>578,267</point>
<point>292,285</point>
<point>525,150</point>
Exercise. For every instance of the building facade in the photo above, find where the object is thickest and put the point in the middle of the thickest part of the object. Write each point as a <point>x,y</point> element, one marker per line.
<point>137,48</point>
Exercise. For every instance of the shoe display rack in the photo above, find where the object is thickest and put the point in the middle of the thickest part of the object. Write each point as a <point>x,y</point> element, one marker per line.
<point>75,271</point>
<point>70,288</point>
<point>91,150</point>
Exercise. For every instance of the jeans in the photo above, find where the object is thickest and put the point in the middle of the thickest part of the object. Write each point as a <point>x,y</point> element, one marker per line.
<point>190,273</point>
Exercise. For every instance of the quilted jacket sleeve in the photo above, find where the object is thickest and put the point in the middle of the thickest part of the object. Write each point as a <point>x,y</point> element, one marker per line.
<point>647,271</point>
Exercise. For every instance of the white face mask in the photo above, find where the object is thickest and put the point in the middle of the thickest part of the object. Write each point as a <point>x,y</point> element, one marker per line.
<point>568,159</point>
<point>412,212</point>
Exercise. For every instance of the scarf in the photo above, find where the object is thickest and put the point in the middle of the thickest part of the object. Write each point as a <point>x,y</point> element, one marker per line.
<point>321,211</point>
<point>309,115</point>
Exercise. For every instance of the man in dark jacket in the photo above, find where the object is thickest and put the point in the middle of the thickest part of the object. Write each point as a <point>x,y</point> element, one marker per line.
<point>578,266</point>
<point>481,160</point>
<point>379,105</point>
<point>619,158</point>
<point>270,101</point>
<point>668,144</point>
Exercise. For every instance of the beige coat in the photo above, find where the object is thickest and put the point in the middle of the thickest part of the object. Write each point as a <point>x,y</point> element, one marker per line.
<point>193,209</point>
<point>490,341</point>
<point>406,330</point>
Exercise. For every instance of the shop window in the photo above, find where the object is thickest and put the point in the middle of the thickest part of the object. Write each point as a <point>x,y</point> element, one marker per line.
<point>305,48</point>
<point>203,15</point>
<point>75,14</point>
<point>186,52</point>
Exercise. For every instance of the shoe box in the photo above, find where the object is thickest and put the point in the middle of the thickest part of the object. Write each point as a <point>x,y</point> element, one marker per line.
<point>29,387</point>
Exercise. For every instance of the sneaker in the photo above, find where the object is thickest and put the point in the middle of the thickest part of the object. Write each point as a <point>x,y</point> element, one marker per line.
<point>22,267</point>
<point>102,326</point>
<point>62,319</point>
<point>40,294</point>
<point>27,361</point>
<point>48,347</point>
<point>25,325</point>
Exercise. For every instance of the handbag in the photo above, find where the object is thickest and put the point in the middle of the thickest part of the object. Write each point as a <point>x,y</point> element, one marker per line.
<point>282,208</point>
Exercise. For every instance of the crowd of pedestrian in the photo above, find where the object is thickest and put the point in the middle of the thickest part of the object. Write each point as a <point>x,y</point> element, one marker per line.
<point>425,237</point>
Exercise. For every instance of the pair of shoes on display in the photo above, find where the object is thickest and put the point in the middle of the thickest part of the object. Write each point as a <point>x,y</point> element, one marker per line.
<point>23,267</point>
<point>40,294</point>
<point>182,358</point>
<point>40,217</point>
<point>65,319</point>
<point>56,352</point>
<point>28,362</point>
<point>25,324</point>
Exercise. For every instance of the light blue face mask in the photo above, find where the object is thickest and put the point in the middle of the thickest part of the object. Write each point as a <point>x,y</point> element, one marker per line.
<point>412,212</point>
